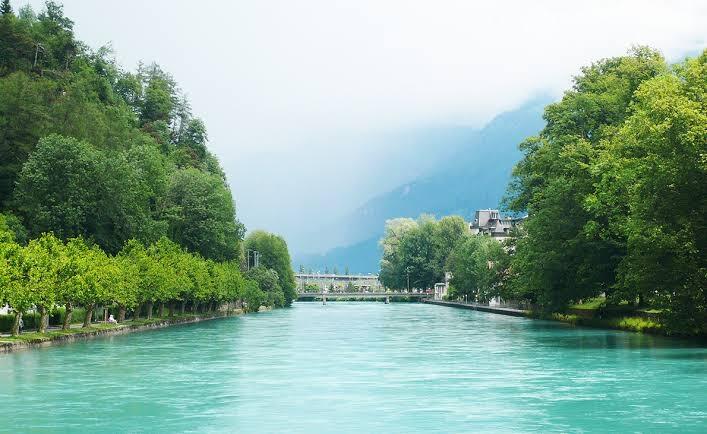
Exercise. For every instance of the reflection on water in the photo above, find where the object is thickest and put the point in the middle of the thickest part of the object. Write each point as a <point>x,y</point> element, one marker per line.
<point>361,367</point>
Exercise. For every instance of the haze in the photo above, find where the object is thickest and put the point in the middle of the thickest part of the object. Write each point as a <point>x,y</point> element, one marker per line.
<point>312,105</point>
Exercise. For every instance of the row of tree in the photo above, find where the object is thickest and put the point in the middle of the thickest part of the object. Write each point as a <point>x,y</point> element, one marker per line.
<point>418,253</point>
<point>615,190</point>
<point>48,272</point>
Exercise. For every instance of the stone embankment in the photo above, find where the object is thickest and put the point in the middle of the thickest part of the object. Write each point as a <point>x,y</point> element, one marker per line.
<point>479,307</point>
<point>54,338</point>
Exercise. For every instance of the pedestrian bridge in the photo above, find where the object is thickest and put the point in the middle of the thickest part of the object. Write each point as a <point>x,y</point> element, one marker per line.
<point>374,295</point>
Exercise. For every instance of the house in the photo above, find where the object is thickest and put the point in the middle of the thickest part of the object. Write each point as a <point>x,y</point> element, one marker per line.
<point>490,222</point>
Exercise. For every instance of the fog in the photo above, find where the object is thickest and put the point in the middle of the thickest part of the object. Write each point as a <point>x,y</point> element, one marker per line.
<point>311,104</point>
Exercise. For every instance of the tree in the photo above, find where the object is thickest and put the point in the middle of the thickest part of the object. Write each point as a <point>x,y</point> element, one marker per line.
<point>567,254</point>
<point>654,174</point>
<point>6,8</point>
<point>160,95</point>
<point>41,261</point>
<point>12,290</point>
<point>95,276</point>
<point>201,215</point>
<point>448,232</point>
<point>58,188</point>
<point>478,265</point>
<point>253,297</point>
<point>72,283</point>
<point>275,255</point>
<point>393,273</point>
<point>24,117</point>
<point>268,282</point>
<point>125,289</point>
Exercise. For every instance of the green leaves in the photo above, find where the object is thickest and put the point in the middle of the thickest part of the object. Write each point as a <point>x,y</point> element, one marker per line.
<point>274,255</point>
<point>478,265</point>
<point>615,191</point>
<point>201,215</point>
<point>418,250</point>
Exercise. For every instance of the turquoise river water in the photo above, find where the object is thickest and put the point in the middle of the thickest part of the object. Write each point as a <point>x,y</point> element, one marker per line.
<point>360,367</point>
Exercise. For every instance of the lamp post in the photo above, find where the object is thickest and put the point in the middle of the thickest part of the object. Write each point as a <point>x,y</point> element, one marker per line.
<point>408,269</point>
<point>256,258</point>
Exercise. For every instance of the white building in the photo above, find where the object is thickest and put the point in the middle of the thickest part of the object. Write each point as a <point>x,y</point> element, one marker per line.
<point>442,288</point>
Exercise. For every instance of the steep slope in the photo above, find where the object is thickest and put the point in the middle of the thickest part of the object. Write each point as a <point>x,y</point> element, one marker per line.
<point>474,178</point>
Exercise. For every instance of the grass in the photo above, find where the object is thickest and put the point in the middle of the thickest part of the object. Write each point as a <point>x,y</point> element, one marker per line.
<point>628,323</point>
<point>591,304</point>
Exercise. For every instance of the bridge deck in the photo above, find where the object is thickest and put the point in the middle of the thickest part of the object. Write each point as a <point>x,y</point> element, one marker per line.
<point>361,294</point>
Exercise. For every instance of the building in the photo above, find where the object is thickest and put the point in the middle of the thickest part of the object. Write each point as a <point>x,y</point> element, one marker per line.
<point>442,288</point>
<point>338,282</point>
<point>490,222</point>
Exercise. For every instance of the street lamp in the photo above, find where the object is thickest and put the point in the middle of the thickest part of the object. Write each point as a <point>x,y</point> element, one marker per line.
<point>408,269</point>
<point>256,258</point>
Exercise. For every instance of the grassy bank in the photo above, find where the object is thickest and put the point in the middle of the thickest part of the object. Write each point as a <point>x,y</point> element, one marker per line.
<point>627,323</point>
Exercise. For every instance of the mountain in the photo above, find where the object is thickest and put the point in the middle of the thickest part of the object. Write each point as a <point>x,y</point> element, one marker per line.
<point>473,178</point>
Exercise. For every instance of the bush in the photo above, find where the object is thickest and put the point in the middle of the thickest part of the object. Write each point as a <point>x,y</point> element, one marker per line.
<point>6,323</point>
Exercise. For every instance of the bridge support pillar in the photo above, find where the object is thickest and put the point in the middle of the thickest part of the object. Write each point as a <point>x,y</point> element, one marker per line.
<point>387,299</point>
<point>324,299</point>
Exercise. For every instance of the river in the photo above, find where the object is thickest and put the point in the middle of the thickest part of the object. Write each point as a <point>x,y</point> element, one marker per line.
<point>360,367</point>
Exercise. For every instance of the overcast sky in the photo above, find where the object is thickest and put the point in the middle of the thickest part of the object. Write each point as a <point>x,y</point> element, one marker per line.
<point>300,96</point>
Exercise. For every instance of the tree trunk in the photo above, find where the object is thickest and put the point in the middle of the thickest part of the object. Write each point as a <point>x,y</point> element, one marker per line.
<point>149,310</point>
<point>67,316</point>
<point>160,310</point>
<point>171,309</point>
<point>183,307</point>
<point>43,319</point>
<point>121,313</point>
<point>195,307</point>
<point>89,316</point>
<point>136,314</point>
<point>16,323</point>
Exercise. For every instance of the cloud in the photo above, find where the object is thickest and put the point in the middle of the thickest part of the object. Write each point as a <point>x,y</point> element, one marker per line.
<point>290,89</point>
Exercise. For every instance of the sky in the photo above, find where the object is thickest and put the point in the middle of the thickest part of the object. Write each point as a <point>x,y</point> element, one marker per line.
<point>310,104</point>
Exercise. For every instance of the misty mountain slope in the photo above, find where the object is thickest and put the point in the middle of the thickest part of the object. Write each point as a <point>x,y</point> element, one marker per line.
<point>474,178</point>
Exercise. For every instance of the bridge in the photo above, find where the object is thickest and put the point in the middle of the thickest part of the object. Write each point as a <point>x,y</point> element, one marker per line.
<point>316,282</point>
<point>369,295</point>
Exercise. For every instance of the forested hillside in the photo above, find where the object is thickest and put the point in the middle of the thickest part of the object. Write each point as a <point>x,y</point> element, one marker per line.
<point>106,158</point>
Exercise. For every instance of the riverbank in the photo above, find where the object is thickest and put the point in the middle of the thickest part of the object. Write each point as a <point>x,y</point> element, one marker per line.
<point>479,307</point>
<point>627,323</point>
<point>32,340</point>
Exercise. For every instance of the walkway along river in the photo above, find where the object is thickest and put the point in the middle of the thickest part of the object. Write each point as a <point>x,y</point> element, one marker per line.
<point>360,367</point>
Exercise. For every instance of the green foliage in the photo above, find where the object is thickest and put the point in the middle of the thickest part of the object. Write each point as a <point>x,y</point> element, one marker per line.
<point>268,282</point>
<point>418,250</point>
<point>253,297</point>
<point>201,215</point>
<point>92,150</point>
<point>478,265</point>
<point>275,255</point>
<point>5,7</point>
<point>615,187</point>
